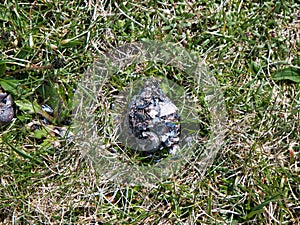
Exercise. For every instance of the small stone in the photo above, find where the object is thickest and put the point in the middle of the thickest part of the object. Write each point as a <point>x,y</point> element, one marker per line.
<point>6,108</point>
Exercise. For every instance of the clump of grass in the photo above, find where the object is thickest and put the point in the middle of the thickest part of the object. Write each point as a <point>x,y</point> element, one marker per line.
<point>255,177</point>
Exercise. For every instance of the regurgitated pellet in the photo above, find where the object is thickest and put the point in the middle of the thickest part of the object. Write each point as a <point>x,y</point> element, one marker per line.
<point>153,117</point>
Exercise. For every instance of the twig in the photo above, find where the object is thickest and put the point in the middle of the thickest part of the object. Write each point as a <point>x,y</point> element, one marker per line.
<point>30,69</point>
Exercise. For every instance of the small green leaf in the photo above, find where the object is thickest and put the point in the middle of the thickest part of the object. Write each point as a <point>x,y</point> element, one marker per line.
<point>30,107</point>
<point>289,73</point>
<point>10,85</point>
<point>40,133</point>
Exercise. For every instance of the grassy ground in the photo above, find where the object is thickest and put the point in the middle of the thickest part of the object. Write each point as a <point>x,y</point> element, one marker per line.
<point>46,47</point>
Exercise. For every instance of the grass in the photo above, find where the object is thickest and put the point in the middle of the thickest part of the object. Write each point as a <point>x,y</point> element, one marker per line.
<point>47,45</point>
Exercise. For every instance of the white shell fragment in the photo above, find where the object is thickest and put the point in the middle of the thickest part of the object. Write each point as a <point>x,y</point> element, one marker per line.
<point>153,113</point>
<point>167,109</point>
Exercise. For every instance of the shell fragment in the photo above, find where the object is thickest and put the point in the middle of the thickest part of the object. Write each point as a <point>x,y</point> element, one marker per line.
<point>168,109</point>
